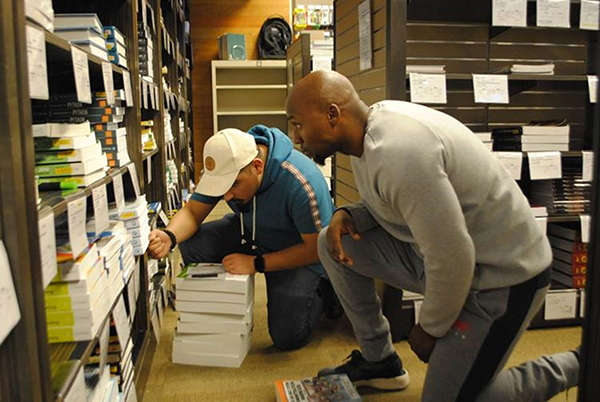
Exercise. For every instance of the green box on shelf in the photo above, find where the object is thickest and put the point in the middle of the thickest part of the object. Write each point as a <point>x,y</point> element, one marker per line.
<point>232,47</point>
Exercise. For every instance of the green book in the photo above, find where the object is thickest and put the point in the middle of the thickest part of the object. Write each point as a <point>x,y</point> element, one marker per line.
<point>70,155</point>
<point>55,144</point>
<point>72,168</point>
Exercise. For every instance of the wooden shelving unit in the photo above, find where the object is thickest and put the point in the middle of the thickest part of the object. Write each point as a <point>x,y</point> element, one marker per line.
<point>27,360</point>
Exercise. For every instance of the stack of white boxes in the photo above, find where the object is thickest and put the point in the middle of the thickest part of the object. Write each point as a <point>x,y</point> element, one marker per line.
<point>135,219</point>
<point>215,321</point>
<point>76,301</point>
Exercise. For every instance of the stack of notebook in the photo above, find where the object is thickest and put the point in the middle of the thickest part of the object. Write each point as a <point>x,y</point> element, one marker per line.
<point>115,45</point>
<point>134,218</point>
<point>215,316</point>
<point>569,266</point>
<point>76,300</point>
<point>84,30</point>
<point>108,124</point>
<point>532,138</point>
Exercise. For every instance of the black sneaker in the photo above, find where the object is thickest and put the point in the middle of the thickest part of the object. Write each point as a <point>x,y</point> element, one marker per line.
<point>386,374</point>
<point>332,307</point>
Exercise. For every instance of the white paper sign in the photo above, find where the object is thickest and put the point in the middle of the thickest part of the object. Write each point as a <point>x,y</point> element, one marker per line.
<point>490,88</point>
<point>100,199</point>
<point>109,83</point>
<point>8,297</point>
<point>103,342</point>
<point>151,93</point>
<point>543,224</point>
<point>588,166</point>
<point>144,13</point>
<point>582,303</point>
<point>593,88</point>
<point>156,97</point>
<point>321,63</point>
<point>510,13</point>
<point>127,88</point>
<point>544,165</point>
<point>417,304</point>
<point>553,13</point>
<point>144,94</point>
<point>132,298</point>
<point>428,88</point>
<point>585,228</point>
<point>560,305</point>
<point>134,179</point>
<point>364,35</point>
<point>163,218</point>
<point>119,192</point>
<point>77,234</point>
<point>512,161</point>
<point>47,246</point>
<point>590,14</point>
<point>121,322</point>
<point>149,168</point>
<point>36,63</point>
<point>82,75</point>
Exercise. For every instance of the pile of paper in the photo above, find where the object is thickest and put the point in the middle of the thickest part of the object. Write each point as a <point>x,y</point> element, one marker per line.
<point>539,69</point>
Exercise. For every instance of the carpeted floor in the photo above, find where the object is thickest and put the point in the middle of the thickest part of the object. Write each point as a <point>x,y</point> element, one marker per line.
<point>332,342</point>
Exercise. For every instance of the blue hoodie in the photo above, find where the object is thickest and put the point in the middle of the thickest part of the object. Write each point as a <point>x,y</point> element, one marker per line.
<point>293,198</point>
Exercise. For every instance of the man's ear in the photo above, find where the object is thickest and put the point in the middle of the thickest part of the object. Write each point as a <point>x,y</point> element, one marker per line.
<point>333,114</point>
<point>259,165</point>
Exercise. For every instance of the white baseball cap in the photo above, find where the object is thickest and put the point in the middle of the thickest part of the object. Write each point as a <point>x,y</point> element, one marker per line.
<point>225,154</point>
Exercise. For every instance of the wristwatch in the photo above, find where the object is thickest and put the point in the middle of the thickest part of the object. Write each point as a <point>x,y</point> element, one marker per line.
<point>259,264</point>
<point>172,237</point>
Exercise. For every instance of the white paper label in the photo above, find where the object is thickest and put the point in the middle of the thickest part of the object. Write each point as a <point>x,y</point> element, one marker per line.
<point>588,166</point>
<point>77,234</point>
<point>511,13</point>
<point>149,168</point>
<point>8,297</point>
<point>593,88</point>
<point>119,192</point>
<point>144,13</point>
<point>512,161</point>
<point>417,304</point>
<point>132,298</point>
<point>109,83</point>
<point>121,322</point>
<point>321,63</point>
<point>134,179</point>
<point>544,165</point>
<point>151,93</point>
<point>585,228</point>
<point>561,305</point>
<point>582,304</point>
<point>553,13</point>
<point>428,88</point>
<point>144,94</point>
<point>364,35</point>
<point>82,75</point>
<point>36,63</point>
<point>47,247</point>
<point>490,88</point>
<point>163,218</point>
<point>127,88</point>
<point>100,199</point>
<point>156,97</point>
<point>543,224</point>
<point>590,14</point>
<point>103,342</point>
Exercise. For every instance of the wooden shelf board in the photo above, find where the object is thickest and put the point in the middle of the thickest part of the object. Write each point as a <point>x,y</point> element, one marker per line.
<point>252,113</point>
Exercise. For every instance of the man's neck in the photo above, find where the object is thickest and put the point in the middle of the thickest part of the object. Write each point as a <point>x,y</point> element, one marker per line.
<point>356,136</point>
<point>264,152</point>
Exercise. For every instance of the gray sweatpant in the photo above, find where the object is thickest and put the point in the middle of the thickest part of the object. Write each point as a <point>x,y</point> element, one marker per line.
<point>466,363</point>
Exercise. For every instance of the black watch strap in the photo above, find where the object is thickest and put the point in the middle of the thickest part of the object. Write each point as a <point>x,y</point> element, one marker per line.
<point>172,237</point>
<point>259,263</point>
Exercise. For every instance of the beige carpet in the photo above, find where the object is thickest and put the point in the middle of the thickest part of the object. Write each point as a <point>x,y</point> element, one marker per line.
<point>332,342</point>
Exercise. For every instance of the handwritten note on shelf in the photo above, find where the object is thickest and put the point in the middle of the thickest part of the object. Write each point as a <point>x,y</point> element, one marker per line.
<point>82,75</point>
<point>593,88</point>
<point>585,227</point>
<point>77,233</point>
<point>490,88</point>
<point>121,323</point>
<point>134,179</point>
<point>544,165</point>
<point>428,88</point>
<point>100,200</point>
<point>47,245</point>
<point>561,305</point>
<point>8,297</point>
<point>512,161</point>
<point>590,15</point>
<point>553,13</point>
<point>119,192</point>
<point>127,88</point>
<point>588,166</point>
<point>364,35</point>
<point>509,13</point>
<point>36,62</point>
<point>109,83</point>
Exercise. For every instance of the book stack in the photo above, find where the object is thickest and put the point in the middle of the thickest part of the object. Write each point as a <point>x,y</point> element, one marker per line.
<point>426,69</point>
<point>110,247</point>
<point>40,12</point>
<point>84,30</point>
<point>531,138</point>
<point>531,69</point>
<point>76,301</point>
<point>148,141</point>
<point>569,265</point>
<point>335,387</point>
<point>486,138</point>
<point>215,321</point>
<point>569,195</point>
<point>115,45</point>
<point>145,47</point>
<point>134,218</point>
<point>107,122</point>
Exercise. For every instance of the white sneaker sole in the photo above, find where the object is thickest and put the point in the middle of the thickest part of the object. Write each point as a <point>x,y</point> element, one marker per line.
<point>387,384</point>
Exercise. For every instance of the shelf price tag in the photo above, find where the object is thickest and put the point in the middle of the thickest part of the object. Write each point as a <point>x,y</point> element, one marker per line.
<point>119,192</point>
<point>553,13</point>
<point>489,88</point>
<point>144,94</point>
<point>128,90</point>
<point>100,199</point>
<point>585,228</point>
<point>9,305</point>
<point>593,88</point>
<point>560,304</point>
<point>47,245</point>
<point>588,166</point>
<point>364,35</point>
<point>77,234</point>
<point>121,323</point>
<point>151,93</point>
<point>590,13</point>
<point>509,13</point>
<point>428,88</point>
<point>82,75</point>
<point>544,165</point>
<point>134,179</point>
<point>36,63</point>
<point>109,83</point>
<point>512,161</point>
<point>156,96</point>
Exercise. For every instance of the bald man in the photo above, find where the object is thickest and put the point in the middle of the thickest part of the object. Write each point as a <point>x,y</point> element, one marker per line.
<point>440,216</point>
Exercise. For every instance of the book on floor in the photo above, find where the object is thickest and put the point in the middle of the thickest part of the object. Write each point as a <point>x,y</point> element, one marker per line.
<point>335,387</point>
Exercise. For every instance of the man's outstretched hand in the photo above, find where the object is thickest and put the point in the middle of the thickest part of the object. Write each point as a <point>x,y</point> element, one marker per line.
<point>341,224</point>
<point>160,244</point>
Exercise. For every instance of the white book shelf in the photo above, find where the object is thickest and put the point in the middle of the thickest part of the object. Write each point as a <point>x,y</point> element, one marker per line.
<point>246,93</point>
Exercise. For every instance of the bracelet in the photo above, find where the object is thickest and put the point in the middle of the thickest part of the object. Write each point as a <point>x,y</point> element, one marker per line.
<point>172,237</point>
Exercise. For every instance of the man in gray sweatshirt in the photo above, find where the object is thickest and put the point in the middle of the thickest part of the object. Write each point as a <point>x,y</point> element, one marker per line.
<point>439,215</point>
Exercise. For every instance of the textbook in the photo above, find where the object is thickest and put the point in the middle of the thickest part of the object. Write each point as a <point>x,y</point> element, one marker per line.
<point>61,130</point>
<point>81,180</point>
<point>71,155</point>
<point>74,20</point>
<point>52,144</point>
<point>75,168</point>
<point>112,33</point>
<point>335,387</point>
<point>81,35</point>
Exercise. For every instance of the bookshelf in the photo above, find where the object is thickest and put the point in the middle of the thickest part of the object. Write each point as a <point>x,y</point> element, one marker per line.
<point>460,36</point>
<point>246,93</point>
<point>31,369</point>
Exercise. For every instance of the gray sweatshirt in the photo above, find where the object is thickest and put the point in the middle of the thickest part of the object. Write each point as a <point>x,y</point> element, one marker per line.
<point>429,181</point>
